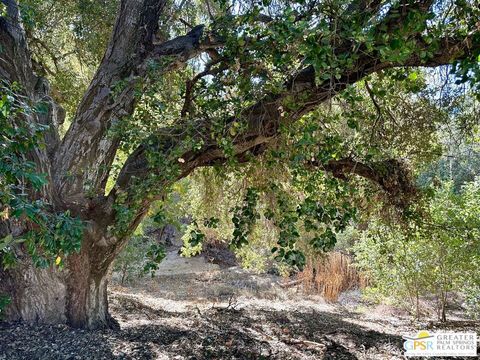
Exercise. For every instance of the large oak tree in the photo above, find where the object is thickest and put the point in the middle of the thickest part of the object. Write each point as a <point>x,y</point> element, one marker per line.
<point>251,69</point>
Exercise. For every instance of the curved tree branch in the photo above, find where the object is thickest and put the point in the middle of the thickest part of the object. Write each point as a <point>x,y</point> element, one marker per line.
<point>265,118</point>
<point>392,175</point>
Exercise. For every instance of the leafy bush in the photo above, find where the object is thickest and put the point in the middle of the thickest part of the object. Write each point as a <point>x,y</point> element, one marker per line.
<point>141,255</point>
<point>472,300</point>
<point>435,253</point>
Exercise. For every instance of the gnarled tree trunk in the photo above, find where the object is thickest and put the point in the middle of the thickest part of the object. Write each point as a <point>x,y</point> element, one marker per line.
<point>75,294</point>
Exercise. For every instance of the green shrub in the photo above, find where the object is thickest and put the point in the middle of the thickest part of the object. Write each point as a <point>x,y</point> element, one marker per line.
<point>138,258</point>
<point>436,253</point>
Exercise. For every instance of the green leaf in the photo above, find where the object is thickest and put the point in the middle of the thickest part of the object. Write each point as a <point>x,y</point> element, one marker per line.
<point>413,76</point>
<point>6,241</point>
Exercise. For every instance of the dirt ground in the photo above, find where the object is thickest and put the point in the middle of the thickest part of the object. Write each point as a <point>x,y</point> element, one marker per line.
<point>214,313</point>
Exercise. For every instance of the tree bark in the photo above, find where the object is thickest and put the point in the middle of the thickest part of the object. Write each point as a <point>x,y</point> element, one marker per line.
<point>75,294</point>
<point>37,295</point>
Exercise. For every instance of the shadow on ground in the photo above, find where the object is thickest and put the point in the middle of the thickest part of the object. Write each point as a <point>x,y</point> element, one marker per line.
<point>217,333</point>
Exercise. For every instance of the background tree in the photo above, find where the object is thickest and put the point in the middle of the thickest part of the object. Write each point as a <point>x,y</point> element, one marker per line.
<point>222,93</point>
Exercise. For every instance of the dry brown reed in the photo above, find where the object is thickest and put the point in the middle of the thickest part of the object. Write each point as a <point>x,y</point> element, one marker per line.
<point>330,275</point>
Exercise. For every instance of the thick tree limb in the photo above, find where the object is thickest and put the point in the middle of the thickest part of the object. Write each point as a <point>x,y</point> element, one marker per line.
<point>84,156</point>
<point>392,175</point>
<point>264,118</point>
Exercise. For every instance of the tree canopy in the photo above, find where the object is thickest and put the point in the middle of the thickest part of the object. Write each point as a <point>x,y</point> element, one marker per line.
<point>102,114</point>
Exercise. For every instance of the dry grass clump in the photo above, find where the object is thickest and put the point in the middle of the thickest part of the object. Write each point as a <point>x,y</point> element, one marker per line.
<point>330,275</point>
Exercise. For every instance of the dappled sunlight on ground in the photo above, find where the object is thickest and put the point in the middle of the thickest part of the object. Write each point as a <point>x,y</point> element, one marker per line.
<point>229,313</point>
